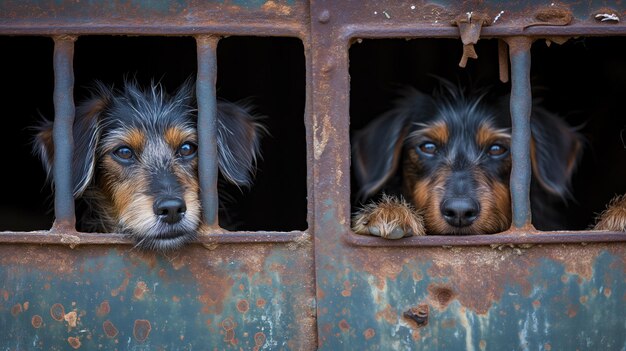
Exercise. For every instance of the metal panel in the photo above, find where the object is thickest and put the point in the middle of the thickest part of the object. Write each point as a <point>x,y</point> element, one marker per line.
<point>110,297</point>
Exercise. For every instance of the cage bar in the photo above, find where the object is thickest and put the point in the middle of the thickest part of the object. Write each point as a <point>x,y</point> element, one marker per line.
<point>521,104</point>
<point>207,127</point>
<point>64,111</point>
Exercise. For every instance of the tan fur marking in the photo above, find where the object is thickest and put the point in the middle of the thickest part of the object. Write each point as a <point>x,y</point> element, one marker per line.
<point>438,133</point>
<point>486,135</point>
<point>387,215</point>
<point>175,137</point>
<point>135,138</point>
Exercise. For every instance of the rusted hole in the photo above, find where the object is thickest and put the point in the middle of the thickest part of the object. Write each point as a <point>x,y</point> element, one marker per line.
<point>243,306</point>
<point>36,321</point>
<point>57,312</point>
<point>109,329</point>
<point>441,295</point>
<point>16,309</point>
<point>141,330</point>
<point>419,314</point>
<point>74,342</point>
<point>103,309</point>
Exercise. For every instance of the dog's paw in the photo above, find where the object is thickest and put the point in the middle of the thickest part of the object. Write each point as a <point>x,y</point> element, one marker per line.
<point>614,217</point>
<point>390,218</point>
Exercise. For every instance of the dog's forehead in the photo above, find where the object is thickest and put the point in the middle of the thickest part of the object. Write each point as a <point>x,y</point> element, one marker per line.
<point>148,117</point>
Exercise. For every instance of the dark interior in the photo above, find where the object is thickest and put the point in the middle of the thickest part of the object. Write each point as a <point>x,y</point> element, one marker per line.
<point>581,81</point>
<point>269,72</point>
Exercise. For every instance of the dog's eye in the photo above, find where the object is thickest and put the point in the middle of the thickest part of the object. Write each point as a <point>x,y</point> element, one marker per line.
<point>428,148</point>
<point>187,149</point>
<point>497,150</point>
<point>124,153</point>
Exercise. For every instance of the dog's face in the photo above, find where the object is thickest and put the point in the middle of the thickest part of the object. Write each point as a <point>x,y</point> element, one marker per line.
<point>456,169</point>
<point>452,153</point>
<point>147,168</point>
<point>135,160</point>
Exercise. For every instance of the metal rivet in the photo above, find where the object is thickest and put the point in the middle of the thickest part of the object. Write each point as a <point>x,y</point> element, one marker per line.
<point>324,16</point>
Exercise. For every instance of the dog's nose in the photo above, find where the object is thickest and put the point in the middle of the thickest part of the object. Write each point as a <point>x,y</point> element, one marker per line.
<point>460,211</point>
<point>170,210</point>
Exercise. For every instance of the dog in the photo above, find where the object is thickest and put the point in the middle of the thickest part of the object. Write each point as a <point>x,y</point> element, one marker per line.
<point>135,160</point>
<point>448,155</point>
<point>614,217</point>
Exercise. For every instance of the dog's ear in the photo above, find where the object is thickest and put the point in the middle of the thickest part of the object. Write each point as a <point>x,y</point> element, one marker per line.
<point>555,151</point>
<point>85,133</point>
<point>238,142</point>
<point>377,149</point>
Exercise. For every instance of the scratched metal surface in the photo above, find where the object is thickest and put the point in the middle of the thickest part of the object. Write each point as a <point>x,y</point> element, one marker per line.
<point>109,297</point>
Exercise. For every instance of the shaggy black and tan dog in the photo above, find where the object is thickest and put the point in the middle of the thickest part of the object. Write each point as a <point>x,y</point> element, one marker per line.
<point>135,160</point>
<point>448,156</point>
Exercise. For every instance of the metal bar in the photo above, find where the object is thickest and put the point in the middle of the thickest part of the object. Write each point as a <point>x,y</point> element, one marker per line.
<point>521,105</point>
<point>409,31</point>
<point>207,127</point>
<point>44,237</point>
<point>509,237</point>
<point>273,30</point>
<point>62,133</point>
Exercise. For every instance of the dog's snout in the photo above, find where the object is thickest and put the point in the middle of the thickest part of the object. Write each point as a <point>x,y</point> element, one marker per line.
<point>460,211</point>
<point>170,210</point>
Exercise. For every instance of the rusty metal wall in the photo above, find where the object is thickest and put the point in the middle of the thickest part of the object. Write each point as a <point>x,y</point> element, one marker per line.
<point>326,287</point>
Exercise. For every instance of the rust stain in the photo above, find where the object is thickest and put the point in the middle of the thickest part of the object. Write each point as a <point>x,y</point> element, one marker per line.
<point>36,321</point>
<point>441,295</point>
<point>71,319</point>
<point>572,311</point>
<point>243,306</point>
<point>583,299</point>
<point>272,6</point>
<point>482,344</point>
<point>74,342</point>
<point>344,326</point>
<point>547,347</point>
<point>388,314</point>
<point>140,289</point>
<point>124,284</point>
<point>25,305</point>
<point>175,298</point>
<point>259,341</point>
<point>369,333</point>
<point>229,330</point>
<point>347,289</point>
<point>5,295</point>
<point>103,309</point>
<point>141,329</point>
<point>608,292</point>
<point>16,309</point>
<point>109,329</point>
<point>57,312</point>
<point>260,303</point>
<point>536,304</point>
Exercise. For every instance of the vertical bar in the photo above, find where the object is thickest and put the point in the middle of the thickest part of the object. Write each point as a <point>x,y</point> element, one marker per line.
<point>521,104</point>
<point>207,127</point>
<point>62,132</point>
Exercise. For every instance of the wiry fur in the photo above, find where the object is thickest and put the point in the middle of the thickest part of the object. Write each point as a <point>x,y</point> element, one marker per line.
<point>462,174</point>
<point>127,196</point>
<point>614,217</point>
